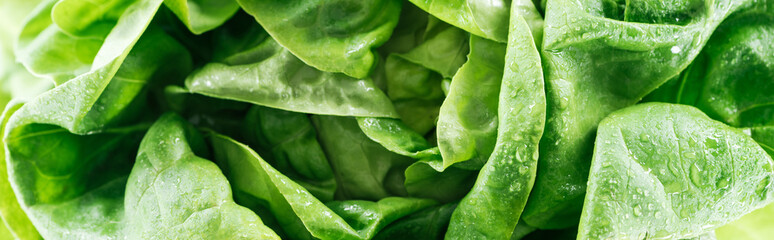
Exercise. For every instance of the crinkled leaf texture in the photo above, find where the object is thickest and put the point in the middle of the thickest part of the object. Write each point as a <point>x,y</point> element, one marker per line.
<point>668,171</point>
<point>77,188</point>
<point>600,56</point>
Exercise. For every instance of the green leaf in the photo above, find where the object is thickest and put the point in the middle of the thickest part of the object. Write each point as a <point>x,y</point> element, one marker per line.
<point>301,215</point>
<point>15,83</point>
<point>408,33</point>
<point>333,36</point>
<point>5,233</point>
<point>269,75</point>
<point>753,226</point>
<point>412,71</point>
<point>41,42</point>
<point>427,224</point>
<point>89,127</point>
<point>224,116</point>
<point>15,221</point>
<point>95,18</point>
<point>363,168</point>
<point>467,124</point>
<point>600,56</point>
<point>202,15</point>
<point>492,208</point>
<point>442,50</point>
<point>765,137</point>
<point>733,81</point>
<point>394,135</point>
<point>674,174</point>
<point>488,19</point>
<point>172,192</point>
<point>521,230</point>
<point>415,92</point>
<point>290,141</point>
<point>424,181</point>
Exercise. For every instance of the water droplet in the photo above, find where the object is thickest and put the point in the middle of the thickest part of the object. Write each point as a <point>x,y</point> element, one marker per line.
<point>675,49</point>
<point>644,137</point>
<point>515,187</point>
<point>723,183</point>
<point>523,170</point>
<point>563,102</point>
<point>696,175</point>
<point>637,211</point>
<point>711,142</point>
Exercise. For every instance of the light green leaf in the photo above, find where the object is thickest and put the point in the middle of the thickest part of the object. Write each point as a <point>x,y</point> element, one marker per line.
<point>88,126</point>
<point>394,135</point>
<point>467,124</point>
<point>173,193</point>
<point>14,220</point>
<point>202,15</point>
<point>41,42</point>
<point>95,18</point>
<point>488,19</point>
<point>492,208</point>
<point>675,174</point>
<point>753,226</point>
